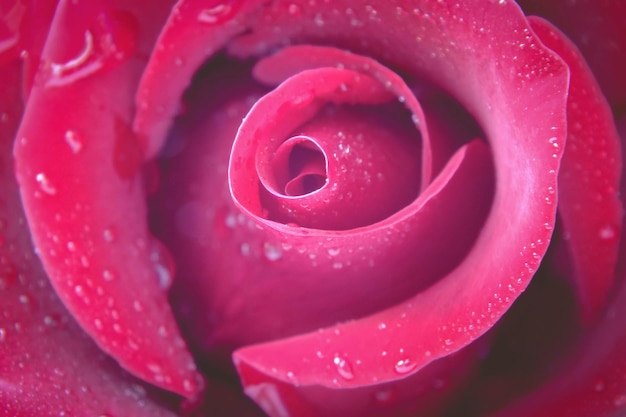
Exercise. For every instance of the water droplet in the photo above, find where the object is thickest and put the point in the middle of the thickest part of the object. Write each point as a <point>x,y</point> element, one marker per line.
<point>319,20</point>
<point>112,40</point>
<point>108,235</point>
<point>548,226</point>
<point>163,263</point>
<point>607,233</point>
<point>74,141</point>
<point>230,220</point>
<point>60,70</point>
<point>294,9</point>
<point>404,366</point>
<point>382,326</point>
<point>334,251</point>
<point>272,253</point>
<point>337,265</point>
<point>344,368</point>
<point>98,324</point>
<point>154,368</point>
<point>216,14</point>
<point>24,299</point>
<point>45,184</point>
<point>162,331</point>
<point>245,249</point>
<point>187,385</point>
<point>107,275</point>
<point>620,400</point>
<point>50,321</point>
<point>165,278</point>
<point>3,334</point>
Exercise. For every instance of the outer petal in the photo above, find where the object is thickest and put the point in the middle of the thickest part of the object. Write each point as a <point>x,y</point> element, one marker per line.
<point>592,380</point>
<point>78,168</point>
<point>588,179</point>
<point>597,28</point>
<point>48,366</point>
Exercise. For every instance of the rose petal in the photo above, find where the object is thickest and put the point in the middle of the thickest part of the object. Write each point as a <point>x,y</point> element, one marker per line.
<point>78,170</point>
<point>243,283</point>
<point>482,59</point>
<point>588,179</point>
<point>292,60</point>
<point>597,28</point>
<point>48,365</point>
<point>387,151</point>
<point>25,25</point>
<point>590,381</point>
<point>195,30</point>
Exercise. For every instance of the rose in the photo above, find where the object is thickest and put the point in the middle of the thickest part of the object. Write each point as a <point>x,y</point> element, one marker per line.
<point>89,261</point>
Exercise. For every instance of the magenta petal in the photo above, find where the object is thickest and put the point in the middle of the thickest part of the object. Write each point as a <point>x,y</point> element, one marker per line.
<point>304,360</point>
<point>588,179</point>
<point>243,284</point>
<point>597,29</point>
<point>79,172</point>
<point>195,30</point>
<point>48,365</point>
<point>483,59</point>
<point>590,382</point>
<point>294,59</point>
<point>373,167</point>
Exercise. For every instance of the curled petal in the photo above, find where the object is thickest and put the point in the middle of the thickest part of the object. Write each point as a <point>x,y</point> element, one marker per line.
<point>588,179</point>
<point>82,188</point>
<point>48,365</point>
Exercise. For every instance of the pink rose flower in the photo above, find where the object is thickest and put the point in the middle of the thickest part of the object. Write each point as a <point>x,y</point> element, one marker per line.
<point>312,208</point>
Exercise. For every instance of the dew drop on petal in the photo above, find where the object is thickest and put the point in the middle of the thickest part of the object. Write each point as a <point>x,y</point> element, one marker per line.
<point>607,233</point>
<point>74,141</point>
<point>620,400</point>
<point>165,278</point>
<point>405,366</point>
<point>74,65</point>
<point>45,184</point>
<point>216,14</point>
<point>108,235</point>
<point>344,368</point>
<point>272,252</point>
<point>334,251</point>
<point>107,275</point>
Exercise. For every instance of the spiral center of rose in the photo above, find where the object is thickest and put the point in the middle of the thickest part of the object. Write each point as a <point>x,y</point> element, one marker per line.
<point>300,167</point>
<point>331,147</point>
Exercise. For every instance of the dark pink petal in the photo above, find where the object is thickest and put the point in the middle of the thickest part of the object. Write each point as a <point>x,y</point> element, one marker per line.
<point>195,30</point>
<point>420,394</point>
<point>597,29</point>
<point>78,165</point>
<point>292,60</point>
<point>241,284</point>
<point>591,382</point>
<point>371,168</point>
<point>483,59</point>
<point>483,53</point>
<point>589,178</point>
<point>24,26</point>
<point>48,365</point>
